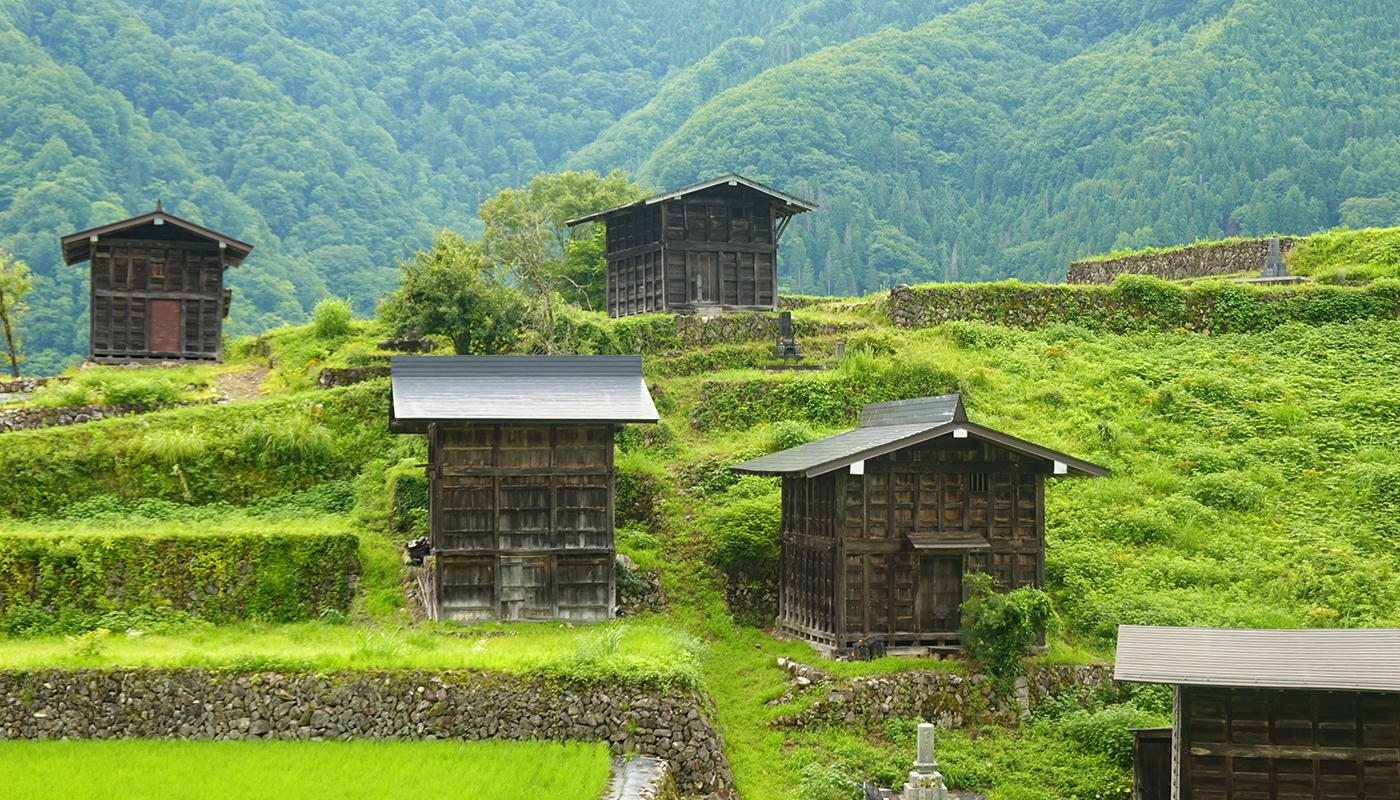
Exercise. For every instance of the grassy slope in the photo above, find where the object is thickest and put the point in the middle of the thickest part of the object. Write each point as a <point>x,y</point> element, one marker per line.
<point>1328,257</point>
<point>1255,483</point>
<point>137,770</point>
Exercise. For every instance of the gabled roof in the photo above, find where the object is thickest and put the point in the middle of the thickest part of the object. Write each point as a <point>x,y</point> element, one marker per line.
<point>1360,659</point>
<point>537,389</point>
<point>785,205</point>
<point>77,247</point>
<point>887,427</point>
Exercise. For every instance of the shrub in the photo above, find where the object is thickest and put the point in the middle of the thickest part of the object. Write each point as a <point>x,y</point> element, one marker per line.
<point>998,629</point>
<point>331,318</point>
<point>1106,731</point>
<point>828,782</point>
<point>138,387</point>
<point>746,535</point>
<point>789,433</point>
<point>1231,491</point>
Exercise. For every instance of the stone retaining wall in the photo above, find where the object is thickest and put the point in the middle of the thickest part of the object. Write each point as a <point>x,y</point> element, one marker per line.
<point>674,724</point>
<point>332,377</point>
<point>26,385</point>
<point>945,699</point>
<point>695,331</point>
<point>19,419</point>
<point>1196,261</point>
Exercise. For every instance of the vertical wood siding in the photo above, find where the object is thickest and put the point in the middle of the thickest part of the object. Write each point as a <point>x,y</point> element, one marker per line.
<point>521,517</point>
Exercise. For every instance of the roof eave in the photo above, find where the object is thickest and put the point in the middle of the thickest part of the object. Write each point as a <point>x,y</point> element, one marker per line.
<point>238,248</point>
<point>791,203</point>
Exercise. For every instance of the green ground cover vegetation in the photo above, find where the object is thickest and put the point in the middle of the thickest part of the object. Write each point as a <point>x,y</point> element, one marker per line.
<point>1255,483</point>
<point>158,770</point>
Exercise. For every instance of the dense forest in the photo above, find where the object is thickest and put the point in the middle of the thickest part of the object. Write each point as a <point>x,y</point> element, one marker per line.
<point>944,140</point>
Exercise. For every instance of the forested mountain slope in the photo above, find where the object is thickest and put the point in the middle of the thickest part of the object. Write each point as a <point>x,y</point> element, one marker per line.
<point>944,140</point>
<point>1009,138</point>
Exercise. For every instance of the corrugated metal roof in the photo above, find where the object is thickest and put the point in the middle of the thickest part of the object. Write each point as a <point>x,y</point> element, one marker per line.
<point>833,452</point>
<point>1363,659</point>
<point>518,389</point>
<point>786,205</point>
<point>927,410</point>
<point>886,427</point>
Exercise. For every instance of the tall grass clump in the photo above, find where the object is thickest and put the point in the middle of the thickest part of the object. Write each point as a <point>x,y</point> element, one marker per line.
<point>331,318</point>
<point>170,446</point>
<point>297,438</point>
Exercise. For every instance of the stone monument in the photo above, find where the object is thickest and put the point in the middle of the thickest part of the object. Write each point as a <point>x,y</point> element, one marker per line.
<point>925,781</point>
<point>787,348</point>
<point>1273,264</point>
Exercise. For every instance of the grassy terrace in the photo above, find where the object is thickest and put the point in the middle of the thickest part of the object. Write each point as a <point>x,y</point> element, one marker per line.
<point>636,650</point>
<point>160,770</point>
<point>1255,483</point>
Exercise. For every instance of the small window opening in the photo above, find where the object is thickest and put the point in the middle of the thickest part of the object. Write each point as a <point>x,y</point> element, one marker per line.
<point>977,482</point>
<point>738,213</point>
<point>157,269</point>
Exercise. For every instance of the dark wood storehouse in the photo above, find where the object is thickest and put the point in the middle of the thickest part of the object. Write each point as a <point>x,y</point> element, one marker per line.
<point>881,523</point>
<point>157,287</point>
<point>520,474</point>
<point>711,246</point>
<point>1275,714</point>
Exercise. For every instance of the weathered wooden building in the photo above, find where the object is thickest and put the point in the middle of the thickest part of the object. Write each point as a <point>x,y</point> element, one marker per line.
<point>1273,714</point>
<point>709,246</point>
<point>521,483</point>
<point>880,523</point>
<point>157,287</point>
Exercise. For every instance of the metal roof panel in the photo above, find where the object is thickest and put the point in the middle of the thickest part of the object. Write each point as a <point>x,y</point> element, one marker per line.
<point>520,389</point>
<point>787,204</point>
<point>929,410</point>
<point>1357,659</point>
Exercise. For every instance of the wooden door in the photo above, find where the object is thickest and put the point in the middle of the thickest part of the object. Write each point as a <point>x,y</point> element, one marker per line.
<point>165,326</point>
<point>704,277</point>
<point>527,588</point>
<point>939,594</point>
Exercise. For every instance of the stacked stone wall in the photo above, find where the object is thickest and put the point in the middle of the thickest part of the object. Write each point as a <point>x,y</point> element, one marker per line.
<point>670,723</point>
<point>946,699</point>
<point>20,419</point>
<point>1196,261</point>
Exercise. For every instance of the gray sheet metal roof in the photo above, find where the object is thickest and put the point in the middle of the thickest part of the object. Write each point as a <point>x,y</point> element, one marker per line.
<point>785,204</point>
<point>1359,659</point>
<point>518,389</point>
<point>929,410</point>
<point>886,427</point>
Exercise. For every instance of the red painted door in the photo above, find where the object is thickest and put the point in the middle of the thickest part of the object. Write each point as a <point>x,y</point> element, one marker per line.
<point>165,326</point>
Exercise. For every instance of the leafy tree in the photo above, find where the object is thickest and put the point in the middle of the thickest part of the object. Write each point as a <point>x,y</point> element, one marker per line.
<point>15,282</point>
<point>453,290</point>
<point>525,235</point>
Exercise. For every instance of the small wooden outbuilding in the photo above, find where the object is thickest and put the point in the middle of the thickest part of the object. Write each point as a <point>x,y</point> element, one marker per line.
<point>881,523</point>
<point>157,287</point>
<point>1273,714</point>
<point>521,479</point>
<point>708,246</point>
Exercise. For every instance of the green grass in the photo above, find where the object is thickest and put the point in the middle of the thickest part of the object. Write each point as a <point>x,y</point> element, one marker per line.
<point>173,770</point>
<point>632,650</point>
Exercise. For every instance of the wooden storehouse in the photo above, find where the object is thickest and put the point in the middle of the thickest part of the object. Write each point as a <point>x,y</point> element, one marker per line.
<point>711,246</point>
<point>157,287</point>
<point>521,483</point>
<point>880,523</point>
<point>1272,714</point>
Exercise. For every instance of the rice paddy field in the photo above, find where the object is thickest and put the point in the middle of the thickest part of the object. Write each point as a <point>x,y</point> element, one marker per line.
<point>177,770</point>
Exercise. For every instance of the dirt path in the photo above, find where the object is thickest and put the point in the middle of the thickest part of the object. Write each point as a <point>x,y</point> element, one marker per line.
<point>242,385</point>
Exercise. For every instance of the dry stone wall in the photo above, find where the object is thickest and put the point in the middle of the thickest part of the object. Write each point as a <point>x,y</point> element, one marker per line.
<point>20,419</point>
<point>674,724</point>
<point>24,385</point>
<point>332,377</point>
<point>1196,261</point>
<point>945,699</point>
